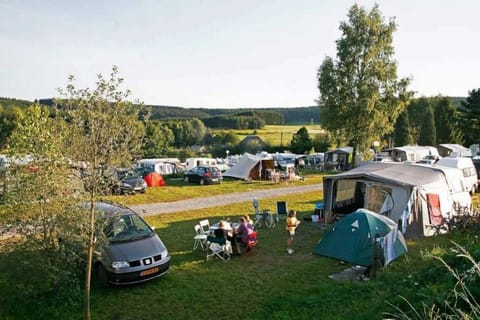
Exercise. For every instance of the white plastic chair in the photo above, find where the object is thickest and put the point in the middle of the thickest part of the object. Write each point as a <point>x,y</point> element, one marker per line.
<point>200,239</point>
<point>205,226</point>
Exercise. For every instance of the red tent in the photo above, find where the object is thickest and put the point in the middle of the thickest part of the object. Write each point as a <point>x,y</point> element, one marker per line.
<point>154,179</point>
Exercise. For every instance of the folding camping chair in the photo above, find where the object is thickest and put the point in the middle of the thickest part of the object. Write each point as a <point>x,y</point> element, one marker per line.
<point>205,226</point>
<point>282,210</point>
<point>252,240</point>
<point>437,222</point>
<point>218,247</point>
<point>200,239</point>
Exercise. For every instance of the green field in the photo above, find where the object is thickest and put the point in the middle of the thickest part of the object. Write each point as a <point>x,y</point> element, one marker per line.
<point>277,135</point>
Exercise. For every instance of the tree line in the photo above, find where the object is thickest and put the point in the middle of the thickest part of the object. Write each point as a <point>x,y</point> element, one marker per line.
<point>216,116</point>
<point>424,121</point>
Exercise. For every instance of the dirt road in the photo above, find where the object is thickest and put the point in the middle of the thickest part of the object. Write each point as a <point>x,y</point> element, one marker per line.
<point>199,203</point>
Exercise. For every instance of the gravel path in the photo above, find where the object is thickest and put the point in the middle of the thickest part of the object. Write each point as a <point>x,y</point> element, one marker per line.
<point>199,203</point>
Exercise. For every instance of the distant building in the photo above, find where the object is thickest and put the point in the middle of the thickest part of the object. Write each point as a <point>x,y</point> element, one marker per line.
<point>252,144</point>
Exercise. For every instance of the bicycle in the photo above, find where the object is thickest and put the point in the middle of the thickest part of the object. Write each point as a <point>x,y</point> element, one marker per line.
<point>266,218</point>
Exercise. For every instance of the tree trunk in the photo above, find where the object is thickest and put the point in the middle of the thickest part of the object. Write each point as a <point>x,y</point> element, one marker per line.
<point>88,275</point>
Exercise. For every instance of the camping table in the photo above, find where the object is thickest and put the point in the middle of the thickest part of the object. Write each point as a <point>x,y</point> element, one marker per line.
<point>228,227</point>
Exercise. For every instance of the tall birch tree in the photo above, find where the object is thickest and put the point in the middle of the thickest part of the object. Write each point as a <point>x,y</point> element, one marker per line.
<point>105,133</point>
<point>360,93</point>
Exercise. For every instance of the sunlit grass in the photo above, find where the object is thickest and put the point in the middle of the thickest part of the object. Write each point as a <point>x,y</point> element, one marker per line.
<point>267,282</point>
<point>177,189</point>
<point>277,135</point>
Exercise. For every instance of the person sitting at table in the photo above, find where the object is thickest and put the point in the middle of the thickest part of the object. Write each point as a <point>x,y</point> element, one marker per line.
<point>248,221</point>
<point>243,232</point>
<point>221,232</point>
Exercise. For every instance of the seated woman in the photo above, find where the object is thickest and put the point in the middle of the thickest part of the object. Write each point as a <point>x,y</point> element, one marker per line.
<point>248,221</point>
<point>244,232</point>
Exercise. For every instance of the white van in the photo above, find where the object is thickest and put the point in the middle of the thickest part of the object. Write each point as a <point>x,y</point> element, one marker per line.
<point>465,165</point>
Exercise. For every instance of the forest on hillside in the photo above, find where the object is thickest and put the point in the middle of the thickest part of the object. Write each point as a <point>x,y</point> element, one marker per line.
<point>279,115</point>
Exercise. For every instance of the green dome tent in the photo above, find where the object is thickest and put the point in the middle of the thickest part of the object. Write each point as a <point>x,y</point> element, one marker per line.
<point>352,238</point>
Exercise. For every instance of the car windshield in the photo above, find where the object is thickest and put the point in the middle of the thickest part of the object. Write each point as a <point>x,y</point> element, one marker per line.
<point>127,174</point>
<point>128,227</point>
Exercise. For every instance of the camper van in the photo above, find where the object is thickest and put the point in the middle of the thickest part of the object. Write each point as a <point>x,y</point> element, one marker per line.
<point>467,168</point>
<point>191,163</point>
<point>411,154</point>
<point>164,166</point>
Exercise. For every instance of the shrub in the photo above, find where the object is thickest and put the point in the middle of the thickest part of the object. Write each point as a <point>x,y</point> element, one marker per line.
<point>458,267</point>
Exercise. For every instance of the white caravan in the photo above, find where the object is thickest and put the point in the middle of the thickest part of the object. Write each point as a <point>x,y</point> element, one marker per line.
<point>466,167</point>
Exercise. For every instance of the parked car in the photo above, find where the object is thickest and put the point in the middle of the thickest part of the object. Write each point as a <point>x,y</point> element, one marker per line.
<point>115,181</point>
<point>127,181</point>
<point>131,251</point>
<point>203,175</point>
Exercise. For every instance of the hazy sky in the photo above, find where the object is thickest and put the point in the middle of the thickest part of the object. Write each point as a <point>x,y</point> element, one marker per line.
<point>223,53</point>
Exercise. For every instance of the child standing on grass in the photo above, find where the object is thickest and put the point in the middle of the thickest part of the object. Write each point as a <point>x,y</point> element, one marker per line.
<point>292,224</point>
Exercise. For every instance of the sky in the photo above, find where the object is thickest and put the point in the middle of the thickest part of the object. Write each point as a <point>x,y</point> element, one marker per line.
<point>223,53</point>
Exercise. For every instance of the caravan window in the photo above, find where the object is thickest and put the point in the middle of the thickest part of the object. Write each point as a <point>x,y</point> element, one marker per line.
<point>345,190</point>
<point>469,171</point>
<point>349,196</point>
<point>379,199</point>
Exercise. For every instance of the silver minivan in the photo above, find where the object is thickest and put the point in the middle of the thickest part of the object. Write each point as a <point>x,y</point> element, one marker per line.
<point>131,251</point>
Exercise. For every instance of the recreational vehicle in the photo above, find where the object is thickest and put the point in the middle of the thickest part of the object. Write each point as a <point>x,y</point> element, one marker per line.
<point>164,166</point>
<point>411,154</point>
<point>466,167</point>
<point>191,163</point>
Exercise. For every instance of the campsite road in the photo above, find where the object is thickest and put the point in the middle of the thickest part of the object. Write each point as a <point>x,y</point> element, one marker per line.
<point>221,200</point>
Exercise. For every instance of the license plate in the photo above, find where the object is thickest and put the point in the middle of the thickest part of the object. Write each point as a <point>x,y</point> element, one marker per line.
<point>149,271</point>
<point>215,180</point>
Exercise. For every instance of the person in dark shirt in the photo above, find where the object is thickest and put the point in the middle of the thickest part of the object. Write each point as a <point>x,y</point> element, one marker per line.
<point>223,233</point>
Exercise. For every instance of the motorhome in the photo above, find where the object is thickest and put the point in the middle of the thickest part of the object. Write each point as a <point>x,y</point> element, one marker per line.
<point>164,166</point>
<point>466,167</point>
<point>191,163</point>
<point>411,154</point>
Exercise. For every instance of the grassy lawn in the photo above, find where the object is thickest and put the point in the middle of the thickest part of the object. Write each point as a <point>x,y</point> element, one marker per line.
<point>177,189</point>
<point>266,283</point>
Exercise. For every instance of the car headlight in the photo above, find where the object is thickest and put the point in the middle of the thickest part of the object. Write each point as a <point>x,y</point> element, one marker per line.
<point>164,254</point>
<point>126,185</point>
<point>120,264</point>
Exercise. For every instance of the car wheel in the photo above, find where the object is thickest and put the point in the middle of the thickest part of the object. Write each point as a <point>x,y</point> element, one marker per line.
<point>202,182</point>
<point>185,179</point>
<point>101,276</point>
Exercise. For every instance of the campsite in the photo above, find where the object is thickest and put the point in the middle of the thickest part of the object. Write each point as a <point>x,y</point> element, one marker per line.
<point>194,285</point>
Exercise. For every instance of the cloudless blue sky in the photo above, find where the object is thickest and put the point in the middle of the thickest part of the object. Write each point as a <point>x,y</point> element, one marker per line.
<point>222,53</point>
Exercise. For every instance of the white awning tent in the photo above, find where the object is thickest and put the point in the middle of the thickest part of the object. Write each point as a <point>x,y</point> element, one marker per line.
<point>396,190</point>
<point>250,166</point>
